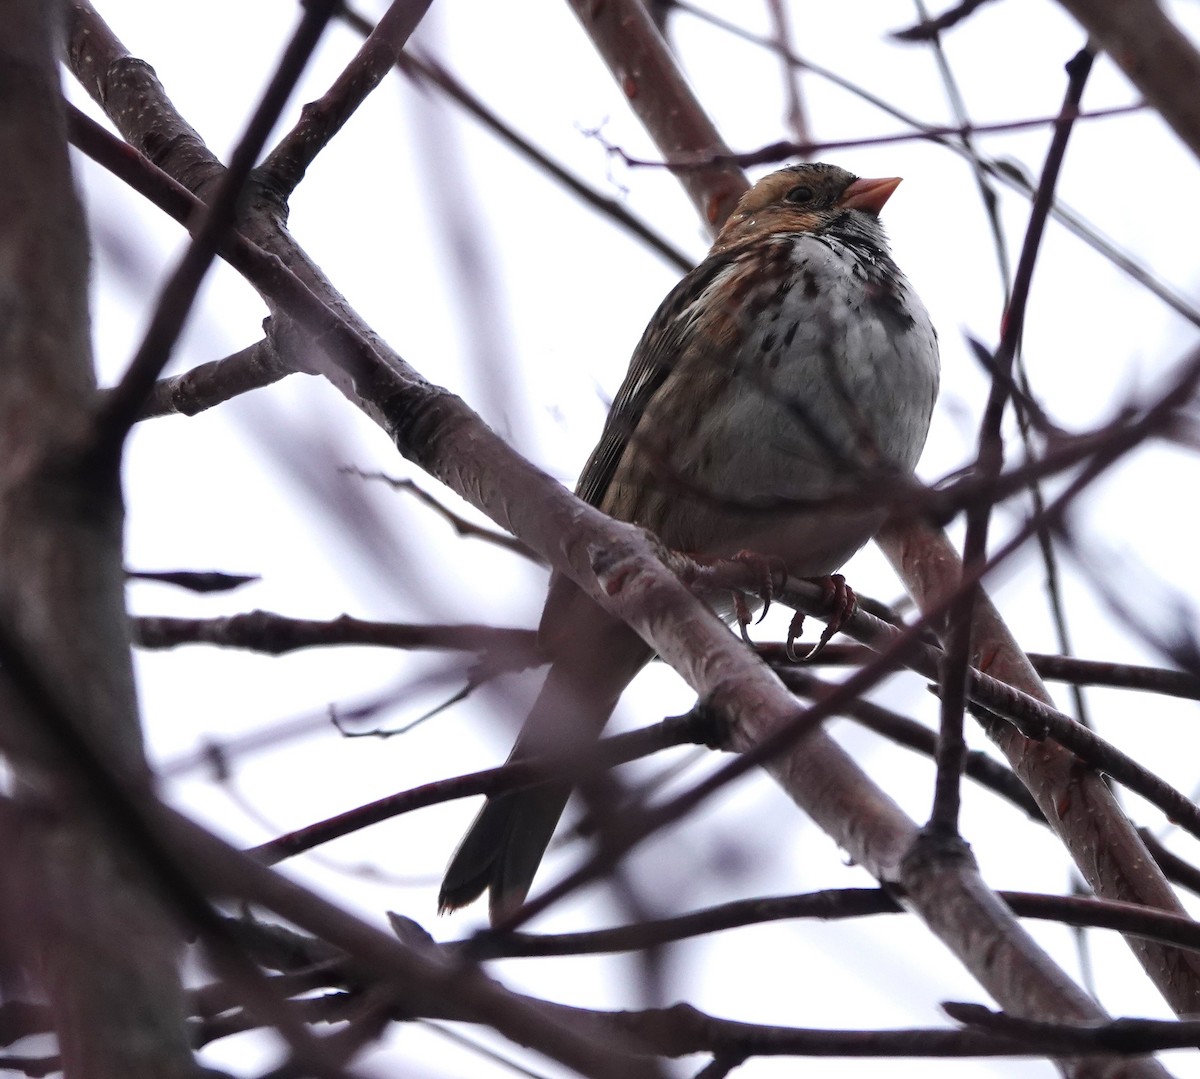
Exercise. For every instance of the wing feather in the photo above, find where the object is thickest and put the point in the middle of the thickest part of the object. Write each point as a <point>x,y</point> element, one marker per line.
<point>652,361</point>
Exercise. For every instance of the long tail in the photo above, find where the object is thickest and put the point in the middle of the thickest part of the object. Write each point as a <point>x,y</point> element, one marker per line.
<point>594,659</point>
<point>503,849</point>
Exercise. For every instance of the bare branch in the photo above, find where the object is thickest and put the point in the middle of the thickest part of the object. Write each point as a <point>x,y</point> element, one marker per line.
<point>835,904</point>
<point>276,635</point>
<point>985,770</point>
<point>1093,672</point>
<point>796,114</point>
<point>126,401</point>
<point>202,581</point>
<point>786,150</point>
<point>61,566</point>
<point>460,524</point>
<point>213,383</point>
<point>988,463</point>
<point>928,29</point>
<point>1084,672</point>
<point>430,985</point>
<point>322,119</point>
<point>631,46</point>
<point>427,69</point>
<point>1156,56</point>
<point>614,750</point>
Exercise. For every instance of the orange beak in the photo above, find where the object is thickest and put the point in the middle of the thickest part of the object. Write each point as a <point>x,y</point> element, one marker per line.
<point>869,195</point>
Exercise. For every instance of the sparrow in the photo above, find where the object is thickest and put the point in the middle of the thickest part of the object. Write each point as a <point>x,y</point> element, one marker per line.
<point>776,390</point>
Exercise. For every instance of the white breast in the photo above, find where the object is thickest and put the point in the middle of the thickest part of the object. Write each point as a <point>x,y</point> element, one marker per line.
<point>837,389</point>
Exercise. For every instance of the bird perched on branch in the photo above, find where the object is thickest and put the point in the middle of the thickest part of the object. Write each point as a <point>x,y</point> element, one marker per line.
<point>777,390</point>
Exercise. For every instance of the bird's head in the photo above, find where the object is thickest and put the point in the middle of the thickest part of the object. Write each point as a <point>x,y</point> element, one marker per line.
<point>802,198</point>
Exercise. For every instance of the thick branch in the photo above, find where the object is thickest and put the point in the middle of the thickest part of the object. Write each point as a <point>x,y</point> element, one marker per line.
<point>217,381</point>
<point>1158,59</point>
<point>625,36</point>
<point>87,920</point>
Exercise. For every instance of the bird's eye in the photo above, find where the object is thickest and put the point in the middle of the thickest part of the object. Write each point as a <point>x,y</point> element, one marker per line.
<point>801,194</point>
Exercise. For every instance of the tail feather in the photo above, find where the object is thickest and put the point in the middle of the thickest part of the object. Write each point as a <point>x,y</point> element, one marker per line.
<point>503,849</point>
<point>594,657</point>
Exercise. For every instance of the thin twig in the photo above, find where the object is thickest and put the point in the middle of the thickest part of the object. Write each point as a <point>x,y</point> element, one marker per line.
<point>989,463</point>
<point>201,581</point>
<point>1058,668</point>
<point>322,119</point>
<point>785,149</point>
<point>1090,672</point>
<point>901,730</point>
<point>276,634</point>
<point>123,406</point>
<point>459,523</point>
<point>484,1051</point>
<point>611,751</point>
<point>427,69</point>
<point>928,29</point>
<point>837,904</point>
<point>983,182</point>
<point>1026,417</point>
<point>795,115</point>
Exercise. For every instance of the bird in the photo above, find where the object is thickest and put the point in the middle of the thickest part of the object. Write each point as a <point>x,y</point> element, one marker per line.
<point>777,389</point>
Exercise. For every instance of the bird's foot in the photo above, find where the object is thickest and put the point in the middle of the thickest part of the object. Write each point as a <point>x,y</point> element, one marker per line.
<point>842,603</point>
<point>719,574</point>
<point>765,568</point>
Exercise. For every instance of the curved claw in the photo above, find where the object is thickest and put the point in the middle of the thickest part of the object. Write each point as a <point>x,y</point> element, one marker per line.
<point>841,598</point>
<point>822,641</point>
<point>742,614</point>
<point>767,566</point>
<point>706,573</point>
<point>794,629</point>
